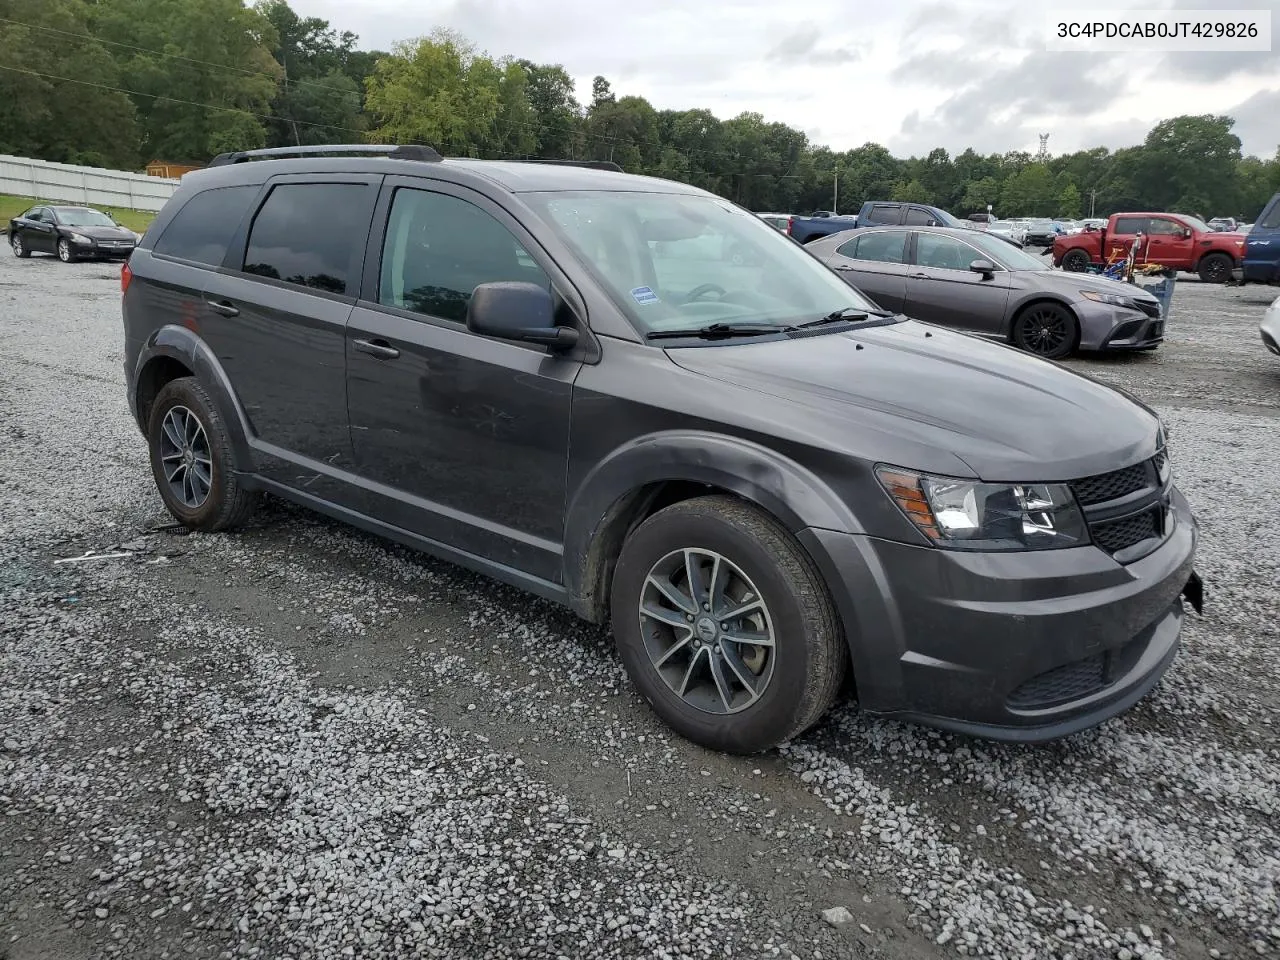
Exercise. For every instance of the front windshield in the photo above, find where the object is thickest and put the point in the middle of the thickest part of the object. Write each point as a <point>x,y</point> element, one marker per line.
<point>1006,253</point>
<point>947,220</point>
<point>677,261</point>
<point>1198,225</point>
<point>84,217</point>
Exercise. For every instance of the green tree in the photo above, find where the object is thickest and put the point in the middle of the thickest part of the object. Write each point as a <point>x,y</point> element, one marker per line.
<point>1069,201</point>
<point>1028,193</point>
<point>56,119</point>
<point>977,194</point>
<point>557,114</point>
<point>1192,162</point>
<point>201,70</point>
<point>441,91</point>
<point>910,191</point>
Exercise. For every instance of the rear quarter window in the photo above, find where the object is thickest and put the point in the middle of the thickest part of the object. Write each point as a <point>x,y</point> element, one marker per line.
<point>201,230</point>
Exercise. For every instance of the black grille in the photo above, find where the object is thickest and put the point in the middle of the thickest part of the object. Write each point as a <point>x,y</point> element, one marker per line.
<point>1115,535</point>
<point>1158,461</point>
<point>1069,682</point>
<point>1111,486</point>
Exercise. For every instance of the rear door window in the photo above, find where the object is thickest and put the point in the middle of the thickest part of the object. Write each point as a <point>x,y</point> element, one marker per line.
<point>1130,226</point>
<point>306,234</point>
<point>202,229</point>
<point>884,213</point>
<point>877,247</point>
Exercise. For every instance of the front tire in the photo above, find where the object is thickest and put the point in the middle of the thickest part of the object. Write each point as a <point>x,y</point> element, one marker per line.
<point>192,459</point>
<point>1215,268</point>
<point>1075,261</point>
<point>725,625</point>
<point>65,253</point>
<point>19,248</point>
<point>1048,330</point>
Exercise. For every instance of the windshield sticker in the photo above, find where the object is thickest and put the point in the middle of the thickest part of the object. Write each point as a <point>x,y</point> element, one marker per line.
<point>644,295</point>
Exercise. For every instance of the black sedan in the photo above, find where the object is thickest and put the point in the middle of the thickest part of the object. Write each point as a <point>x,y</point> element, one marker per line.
<point>71,233</point>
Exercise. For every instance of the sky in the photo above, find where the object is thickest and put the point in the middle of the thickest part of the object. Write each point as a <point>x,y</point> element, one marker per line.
<point>909,74</point>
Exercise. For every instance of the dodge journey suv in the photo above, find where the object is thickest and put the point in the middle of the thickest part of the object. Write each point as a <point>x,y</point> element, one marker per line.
<point>637,399</point>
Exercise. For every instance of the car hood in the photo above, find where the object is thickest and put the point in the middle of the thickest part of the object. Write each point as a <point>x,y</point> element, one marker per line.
<point>1009,416</point>
<point>1071,284</point>
<point>103,233</point>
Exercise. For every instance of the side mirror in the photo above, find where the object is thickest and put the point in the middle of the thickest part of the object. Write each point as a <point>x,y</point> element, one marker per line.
<point>984,267</point>
<point>933,223</point>
<point>517,311</point>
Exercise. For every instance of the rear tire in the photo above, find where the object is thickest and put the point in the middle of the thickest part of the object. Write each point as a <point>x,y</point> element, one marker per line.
<point>192,459</point>
<point>1215,268</point>
<point>1075,261</point>
<point>761,585</point>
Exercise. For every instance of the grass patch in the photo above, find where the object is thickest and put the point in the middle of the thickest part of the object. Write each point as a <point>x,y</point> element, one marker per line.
<point>135,220</point>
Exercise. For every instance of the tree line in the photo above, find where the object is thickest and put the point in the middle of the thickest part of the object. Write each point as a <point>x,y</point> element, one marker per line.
<point>119,83</point>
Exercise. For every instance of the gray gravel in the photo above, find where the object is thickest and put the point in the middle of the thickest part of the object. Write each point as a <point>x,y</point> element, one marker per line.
<point>302,741</point>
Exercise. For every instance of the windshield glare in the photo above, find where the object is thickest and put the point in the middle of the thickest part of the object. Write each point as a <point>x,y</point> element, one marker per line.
<point>676,261</point>
<point>1198,225</point>
<point>84,217</point>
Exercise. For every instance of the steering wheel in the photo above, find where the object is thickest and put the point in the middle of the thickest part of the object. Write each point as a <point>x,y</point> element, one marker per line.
<point>702,289</point>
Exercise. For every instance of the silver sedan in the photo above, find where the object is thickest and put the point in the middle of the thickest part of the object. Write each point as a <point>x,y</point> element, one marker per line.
<point>1271,327</point>
<point>975,282</point>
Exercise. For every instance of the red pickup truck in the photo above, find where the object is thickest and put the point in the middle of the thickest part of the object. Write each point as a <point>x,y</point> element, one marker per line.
<point>1170,239</point>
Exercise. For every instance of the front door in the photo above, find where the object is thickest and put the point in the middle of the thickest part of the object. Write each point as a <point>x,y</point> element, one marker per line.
<point>1169,243</point>
<point>875,262</point>
<point>40,235</point>
<point>276,314</point>
<point>459,438</point>
<point>942,289</point>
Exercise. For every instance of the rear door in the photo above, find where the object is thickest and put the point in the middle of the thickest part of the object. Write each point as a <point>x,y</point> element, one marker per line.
<point>942,289</point>
<point>875,262</point>
<point>1262,245</point>
<point>1120,238</point>
<point>39,232</point>
<point>278,313</point>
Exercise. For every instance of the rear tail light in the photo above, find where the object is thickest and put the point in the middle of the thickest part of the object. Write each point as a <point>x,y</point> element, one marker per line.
<point>125,276</point>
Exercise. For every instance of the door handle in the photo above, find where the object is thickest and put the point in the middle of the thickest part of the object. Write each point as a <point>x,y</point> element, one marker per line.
<point>223,307</point>
<point>845,267</point>
<point>377,348</point>
<point>919,276</point>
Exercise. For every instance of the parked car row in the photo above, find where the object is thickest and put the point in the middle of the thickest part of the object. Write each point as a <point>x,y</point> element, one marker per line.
<point>70,234</point>
<point>764,480</point>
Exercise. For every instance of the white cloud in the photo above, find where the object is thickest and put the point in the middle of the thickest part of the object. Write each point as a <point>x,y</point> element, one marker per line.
<point>913,75</point>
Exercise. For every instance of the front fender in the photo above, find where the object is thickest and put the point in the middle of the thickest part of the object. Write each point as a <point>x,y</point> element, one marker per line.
<point>186,347</point>
<point>596,519</point>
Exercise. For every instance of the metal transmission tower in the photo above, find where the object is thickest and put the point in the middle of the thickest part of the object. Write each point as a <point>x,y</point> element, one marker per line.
<point>1043,155</point>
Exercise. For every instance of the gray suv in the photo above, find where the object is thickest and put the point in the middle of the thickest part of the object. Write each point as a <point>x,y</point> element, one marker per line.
<point>573,380</point>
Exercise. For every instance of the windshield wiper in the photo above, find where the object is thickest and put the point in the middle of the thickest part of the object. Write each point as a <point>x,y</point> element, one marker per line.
<point>718,330</point>
<point>842,315</point>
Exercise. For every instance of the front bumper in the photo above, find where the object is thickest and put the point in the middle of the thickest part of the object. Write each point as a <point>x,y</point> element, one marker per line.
<point>1106,327</point>
<point>1018,646</point>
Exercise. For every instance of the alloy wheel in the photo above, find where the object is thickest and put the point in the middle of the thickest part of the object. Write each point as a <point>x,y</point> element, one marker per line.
<point>1044,331</point>
<point>185,457</point>
<point>16,243</point>
<point>707,631</point>
<point>64,251</point>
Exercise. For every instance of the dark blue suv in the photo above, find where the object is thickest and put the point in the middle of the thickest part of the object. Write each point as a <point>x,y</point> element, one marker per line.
<point>1262,248</point>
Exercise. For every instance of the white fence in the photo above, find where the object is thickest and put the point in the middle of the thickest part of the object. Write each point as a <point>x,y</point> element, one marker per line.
<point>87,185</point>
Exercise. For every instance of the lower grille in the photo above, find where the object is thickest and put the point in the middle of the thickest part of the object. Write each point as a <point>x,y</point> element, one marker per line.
<point>1083,678</point>
<point>1062,684</point>
<point>1116,535</point>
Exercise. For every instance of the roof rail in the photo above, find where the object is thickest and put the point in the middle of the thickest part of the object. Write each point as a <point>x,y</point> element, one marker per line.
<point>394,151</point>
<point>589,164</point>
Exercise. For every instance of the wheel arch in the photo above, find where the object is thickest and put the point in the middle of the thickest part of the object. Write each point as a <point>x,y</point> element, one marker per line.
<point>172,352</point>
<point>655,471</point>
<point>1035,299</point>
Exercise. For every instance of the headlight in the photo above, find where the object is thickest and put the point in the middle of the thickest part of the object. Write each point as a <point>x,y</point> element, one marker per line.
<point>972,515</point>
<point>80,238</point>
<point>1115,299</point>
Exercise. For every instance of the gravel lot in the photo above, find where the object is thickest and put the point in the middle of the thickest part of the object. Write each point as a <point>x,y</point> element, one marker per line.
<point>301,741</point>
